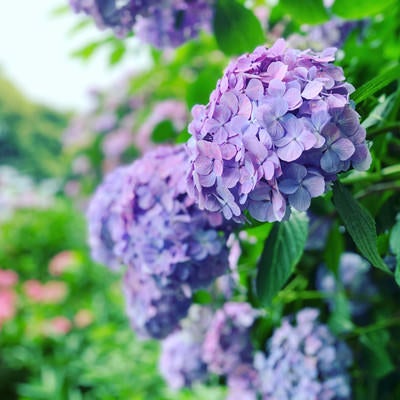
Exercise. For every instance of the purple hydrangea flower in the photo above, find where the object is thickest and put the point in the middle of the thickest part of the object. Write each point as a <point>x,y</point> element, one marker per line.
<point>304,361</point>
<point>171,23</point>
<point>154,308</point>
<point>277,130</point>
<point>167,23</point>
<point>243,383</point>
<point>103,216</point>
<point>165,234</point>
<point>356,281</point>
<point>181,362</point>
<point>227,343</point>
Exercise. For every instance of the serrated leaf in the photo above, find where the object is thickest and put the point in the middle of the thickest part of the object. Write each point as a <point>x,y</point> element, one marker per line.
<point>357,10</point>
<point>394,243</point>
<point>306,11</point>
<point>360,225</point>
<point>282,251</point>
<point>237,30</point>
<point>376,84</point>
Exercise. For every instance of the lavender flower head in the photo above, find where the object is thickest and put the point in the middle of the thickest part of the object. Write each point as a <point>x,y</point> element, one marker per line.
<point>103,218</point>
<point>181,362</point>
<point>167,23</point>
<point>154,309</point>
<point>163,231</point>
<point>227,343</point>
<point>356,281</point>
<point>304,361</point>
<point>278,128</point>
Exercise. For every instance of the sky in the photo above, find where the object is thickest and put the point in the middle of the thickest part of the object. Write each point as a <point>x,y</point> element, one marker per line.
<point>35,54</point>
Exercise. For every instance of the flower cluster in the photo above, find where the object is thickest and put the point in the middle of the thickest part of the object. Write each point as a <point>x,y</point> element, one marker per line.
<point>167,23</point>
<point>181,362</point>
<point>227,343</point>
<point>354,276</point>
<point>148,222</point>
<point>278,128</point>
<point>304,361</point>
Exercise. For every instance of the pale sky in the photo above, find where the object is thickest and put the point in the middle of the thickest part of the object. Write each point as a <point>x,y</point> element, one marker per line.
<point>35,50</point>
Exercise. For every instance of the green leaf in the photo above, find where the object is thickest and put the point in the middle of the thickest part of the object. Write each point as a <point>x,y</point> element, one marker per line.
<point>360,225</point>
<point>237,30</point>
<point>306,11</point>
<point>378,359</point>
<point>282,251</point>
<point>376,84</point>
<point>163,132</point>
<point>340,319</point>
<point>357,10</point>
<point>394,242</point>
<point>117,53</point>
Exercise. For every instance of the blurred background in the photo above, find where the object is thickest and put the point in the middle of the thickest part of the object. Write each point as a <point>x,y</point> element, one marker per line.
<point>76,102</point>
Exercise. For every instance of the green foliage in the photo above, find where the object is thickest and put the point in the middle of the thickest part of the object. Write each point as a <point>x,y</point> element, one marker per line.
<point>236,28</point>
<point>359,224</point>
<point>358,10</point>
<point>30,134</point>
<point>306,11</point>
<point>282,251</point>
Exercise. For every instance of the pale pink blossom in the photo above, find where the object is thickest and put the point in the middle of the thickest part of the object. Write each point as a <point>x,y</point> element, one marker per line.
<point>8,278</point>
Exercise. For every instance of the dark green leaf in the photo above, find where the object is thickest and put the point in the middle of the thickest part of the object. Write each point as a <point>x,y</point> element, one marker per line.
<point>237,30</point>
<point>282,251</point>
<point>375,84</point>
<point>357,10</point>
<point>394,242</point>
<point>359,223</point>
<point>334,248</point>
<point>378,360</point>
<point>305,11</point>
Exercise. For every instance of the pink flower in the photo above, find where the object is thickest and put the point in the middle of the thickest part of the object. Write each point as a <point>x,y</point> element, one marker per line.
<point>8,278</point>
<point>8,301</point>
<point>51,292</point>
<point>60,262</point>
<point>83,318</point>
<point>58,326</point>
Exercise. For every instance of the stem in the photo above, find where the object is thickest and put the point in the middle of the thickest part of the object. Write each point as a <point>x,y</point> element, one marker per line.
<point>288,297</point>
<point>358,177</point>
<point>375,327</point>
<point>373,133</point>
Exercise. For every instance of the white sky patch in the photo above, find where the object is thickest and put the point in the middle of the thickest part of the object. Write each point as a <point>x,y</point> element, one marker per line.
<point>35,53</point>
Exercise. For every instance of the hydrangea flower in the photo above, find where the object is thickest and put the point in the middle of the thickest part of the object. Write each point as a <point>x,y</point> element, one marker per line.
<point>227,343</point>
<point>167,23</point>
<point>165,233</point>
<point>277,130</point>
<point>181,362</point>
<point>142,217</point>
<point>102,215</point>
<point>304,361</point>
<point>356,281</point>
<point>154,308</point>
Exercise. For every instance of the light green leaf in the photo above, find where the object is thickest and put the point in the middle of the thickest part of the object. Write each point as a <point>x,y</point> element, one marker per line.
<point>376,84</point>
<point>237,30</point>
<point>360,9</point>
<point>282,251</point>
<point>360,225</point>
<point>306,11</point>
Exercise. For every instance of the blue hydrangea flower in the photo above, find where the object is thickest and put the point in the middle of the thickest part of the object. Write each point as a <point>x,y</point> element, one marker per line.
<point>304,361</point>
<point>154,309</point>
<point>227,343</point>
<point>167,23</point>
<point>356,281</point>
<point>277,130</point>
